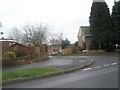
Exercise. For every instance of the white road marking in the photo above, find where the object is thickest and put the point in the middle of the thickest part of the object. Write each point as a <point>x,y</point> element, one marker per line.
<point>106,65</point>
<point>87,69</point>
<point>113,63</point>
<point>98,67</point>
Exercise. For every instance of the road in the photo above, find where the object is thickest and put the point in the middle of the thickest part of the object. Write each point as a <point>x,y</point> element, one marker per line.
<point>102,75</point>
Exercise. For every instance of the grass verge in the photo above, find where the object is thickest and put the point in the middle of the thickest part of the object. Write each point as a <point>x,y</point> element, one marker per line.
<point>17,74</point>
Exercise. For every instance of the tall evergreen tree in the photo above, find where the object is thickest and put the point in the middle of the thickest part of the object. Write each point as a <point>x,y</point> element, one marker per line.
<point>116,22</point>
<point>100,26</point>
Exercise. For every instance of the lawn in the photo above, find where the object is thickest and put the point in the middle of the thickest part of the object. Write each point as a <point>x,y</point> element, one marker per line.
<point>16,74</point>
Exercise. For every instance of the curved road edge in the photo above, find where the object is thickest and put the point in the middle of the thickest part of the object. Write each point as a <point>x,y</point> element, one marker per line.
<point>50,74</point>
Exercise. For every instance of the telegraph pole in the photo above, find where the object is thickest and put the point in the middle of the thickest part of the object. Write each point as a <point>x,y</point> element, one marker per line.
<point>1,33</point>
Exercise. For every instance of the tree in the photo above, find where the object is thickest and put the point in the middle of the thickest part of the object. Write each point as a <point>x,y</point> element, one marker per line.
<point>15,34</point>
<point>29,34</point>
<point>65,43</point>
<point>100,26</point>
<point>55,41</point>
<point>76,44</point>
<point>34,34</point>
<point>116,22</point>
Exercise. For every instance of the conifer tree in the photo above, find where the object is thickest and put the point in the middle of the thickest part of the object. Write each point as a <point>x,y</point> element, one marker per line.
<point>100,26</point>
<point>116,22</point>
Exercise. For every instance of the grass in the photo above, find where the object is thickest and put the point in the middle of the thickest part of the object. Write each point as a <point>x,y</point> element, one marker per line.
<point>17,74</point>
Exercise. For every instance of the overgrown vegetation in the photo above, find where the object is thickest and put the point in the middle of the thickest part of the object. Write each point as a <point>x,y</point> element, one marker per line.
<point>16,74</point>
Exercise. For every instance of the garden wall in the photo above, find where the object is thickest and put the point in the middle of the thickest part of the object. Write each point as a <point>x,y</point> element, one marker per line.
<point>28,55</point>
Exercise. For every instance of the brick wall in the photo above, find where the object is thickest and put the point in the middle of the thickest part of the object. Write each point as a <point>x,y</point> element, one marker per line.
<point>80,41</point>
<point>39,53</point>
<point>22,50</point>
<point>88,42</point>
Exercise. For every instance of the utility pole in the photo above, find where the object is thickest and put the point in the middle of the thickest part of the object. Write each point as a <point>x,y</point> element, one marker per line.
<point>1,33</point>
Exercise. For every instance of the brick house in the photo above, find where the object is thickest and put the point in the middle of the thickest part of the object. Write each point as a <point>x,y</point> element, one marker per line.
<point>7,43</point>
<point>84,36</point>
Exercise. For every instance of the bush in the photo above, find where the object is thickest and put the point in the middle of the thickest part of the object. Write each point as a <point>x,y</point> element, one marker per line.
<point>117,50</point>
<point>96,51</point>
<point>75,50</point>
<point>11,55</point>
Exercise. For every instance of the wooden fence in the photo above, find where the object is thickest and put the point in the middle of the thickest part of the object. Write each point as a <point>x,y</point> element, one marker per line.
<point>67,51</point>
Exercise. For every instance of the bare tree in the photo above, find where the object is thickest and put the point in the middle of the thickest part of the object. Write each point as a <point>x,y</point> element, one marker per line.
<point>15,34</point>
<point>34,34</point>
<point>55,41</point>
<point>29,34</point>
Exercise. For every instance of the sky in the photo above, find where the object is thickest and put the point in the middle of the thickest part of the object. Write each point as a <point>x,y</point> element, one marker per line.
<point>60,16</point>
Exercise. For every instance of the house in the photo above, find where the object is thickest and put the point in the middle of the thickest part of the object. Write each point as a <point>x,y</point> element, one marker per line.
<point>84,36</point>
<point>7,42</point>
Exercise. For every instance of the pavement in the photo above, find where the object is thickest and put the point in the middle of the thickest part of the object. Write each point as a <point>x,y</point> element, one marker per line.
<point>57,62</point>
<point>104,74</point>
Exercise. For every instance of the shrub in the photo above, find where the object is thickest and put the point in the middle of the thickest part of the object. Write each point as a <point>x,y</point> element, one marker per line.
<point>11,55</point>
<point>117,50</point>
<point>75,50</point>
<point>95,51</point>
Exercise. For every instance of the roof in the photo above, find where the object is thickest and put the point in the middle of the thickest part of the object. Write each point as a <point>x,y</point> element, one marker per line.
<point>11,40</point>
<point>84,31</point>
<point>70,46</point>
<point>18,44</point>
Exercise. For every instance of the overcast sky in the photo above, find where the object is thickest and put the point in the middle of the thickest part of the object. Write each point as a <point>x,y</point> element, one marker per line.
<point>64,16</point>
